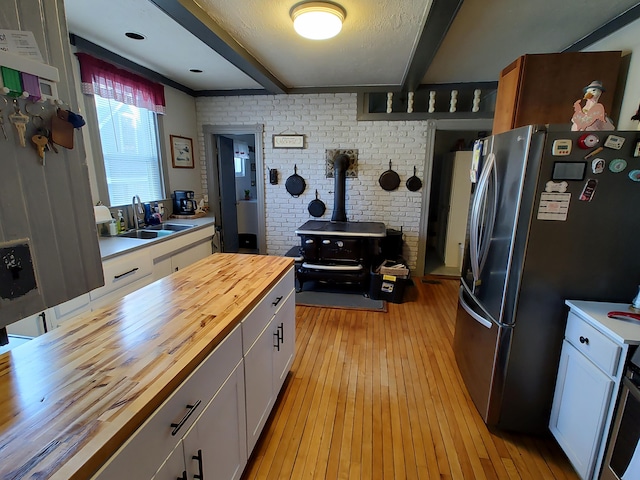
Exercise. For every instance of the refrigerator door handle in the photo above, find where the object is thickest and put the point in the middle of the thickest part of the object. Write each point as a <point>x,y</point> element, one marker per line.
<point>478,201</point>
<point>482,321</point>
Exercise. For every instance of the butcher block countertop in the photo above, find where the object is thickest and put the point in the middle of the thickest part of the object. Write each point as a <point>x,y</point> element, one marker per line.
<point>71,397</point>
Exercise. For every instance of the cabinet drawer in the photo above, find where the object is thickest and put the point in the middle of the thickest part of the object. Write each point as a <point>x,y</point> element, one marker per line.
<point>149,446</point>
<point>262,313</point>
<point>122,271</point>
<point>594,344</point>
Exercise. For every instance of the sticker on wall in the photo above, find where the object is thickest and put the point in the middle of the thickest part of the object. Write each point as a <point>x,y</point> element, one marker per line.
<point>352,169</point>
<point>634,175</point>
<point>618,165</point>
<point>559,187</point>
<point>554,206</point>
<point>597,166</point>
<point>589,190</point>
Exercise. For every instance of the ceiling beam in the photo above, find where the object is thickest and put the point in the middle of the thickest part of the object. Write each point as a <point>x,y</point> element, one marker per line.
<point>193,18</point>
<point>605,30</point>
<point>439,19</point>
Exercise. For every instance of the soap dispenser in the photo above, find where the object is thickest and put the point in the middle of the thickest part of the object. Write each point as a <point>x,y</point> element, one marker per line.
<point>121,225</point>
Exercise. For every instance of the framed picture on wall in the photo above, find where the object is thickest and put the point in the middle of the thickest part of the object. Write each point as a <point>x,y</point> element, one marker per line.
<point>181,152</point>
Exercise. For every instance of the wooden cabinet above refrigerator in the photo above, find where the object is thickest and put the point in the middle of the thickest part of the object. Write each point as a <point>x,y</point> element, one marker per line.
<point>541,88</point>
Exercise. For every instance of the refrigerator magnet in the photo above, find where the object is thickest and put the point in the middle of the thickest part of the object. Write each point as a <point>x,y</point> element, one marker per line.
<point>636,149</point>
<point>634,175</point>
<point>614,141</point>
<point>617,165</point>
<point>597,166</point>
<point>588,140</point>
<point>588,190</point>
<point>559,187</point>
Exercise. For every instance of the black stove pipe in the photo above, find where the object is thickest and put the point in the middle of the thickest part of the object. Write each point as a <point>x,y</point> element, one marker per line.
<point>340,165</point>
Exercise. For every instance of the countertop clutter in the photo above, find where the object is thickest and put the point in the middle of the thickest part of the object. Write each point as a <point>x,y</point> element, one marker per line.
<point>112,246</point>
<point>70,398</point>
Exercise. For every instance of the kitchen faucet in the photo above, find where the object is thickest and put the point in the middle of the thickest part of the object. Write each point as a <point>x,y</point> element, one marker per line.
<point>135,202</point>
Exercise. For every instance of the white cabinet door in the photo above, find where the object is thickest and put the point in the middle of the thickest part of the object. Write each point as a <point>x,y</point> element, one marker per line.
<point>215,447</point>
<point>258,368</point>
<point>191,255</point>
<point>70,309</point>
<point>285,335</point>
<point>173,468</point>
<point>580,404</point>
<point>33,325</point>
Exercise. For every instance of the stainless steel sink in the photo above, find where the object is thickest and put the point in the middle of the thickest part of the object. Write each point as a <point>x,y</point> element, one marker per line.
<point>142,234</point>
<point>174,227</point>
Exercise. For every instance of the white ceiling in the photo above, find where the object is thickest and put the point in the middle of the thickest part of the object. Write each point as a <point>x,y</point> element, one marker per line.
<point>375,48</point>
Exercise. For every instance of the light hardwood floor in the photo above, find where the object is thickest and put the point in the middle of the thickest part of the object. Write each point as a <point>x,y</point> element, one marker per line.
<point>378,396</point>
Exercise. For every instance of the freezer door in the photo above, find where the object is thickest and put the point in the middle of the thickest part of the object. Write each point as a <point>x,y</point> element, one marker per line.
<point>494,210</point>
<point>478,345</point>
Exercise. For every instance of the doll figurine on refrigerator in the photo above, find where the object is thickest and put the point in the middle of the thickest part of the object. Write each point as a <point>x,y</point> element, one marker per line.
<point>591,116</point>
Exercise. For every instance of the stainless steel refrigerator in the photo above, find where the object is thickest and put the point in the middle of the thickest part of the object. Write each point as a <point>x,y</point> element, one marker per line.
<point>554,215</point>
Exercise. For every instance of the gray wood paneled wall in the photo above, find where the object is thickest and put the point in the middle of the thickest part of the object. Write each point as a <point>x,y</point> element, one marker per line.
<point>48,206</point>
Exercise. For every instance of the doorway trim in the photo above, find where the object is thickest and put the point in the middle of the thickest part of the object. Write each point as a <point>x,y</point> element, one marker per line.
<point>210,133</point>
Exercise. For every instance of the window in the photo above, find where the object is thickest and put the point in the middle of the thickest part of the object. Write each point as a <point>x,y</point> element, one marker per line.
<point>239,164</point>
<point>129,138</point>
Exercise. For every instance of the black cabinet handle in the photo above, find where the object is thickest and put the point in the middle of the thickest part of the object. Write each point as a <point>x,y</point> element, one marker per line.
<point>184,475</point>
<point>115,277</point>
<point>178,426</point>
<point>584,340</point>
<point>276,302</point>
<point>43,315</point>
<point>198,457</point>
<point>281,332</point>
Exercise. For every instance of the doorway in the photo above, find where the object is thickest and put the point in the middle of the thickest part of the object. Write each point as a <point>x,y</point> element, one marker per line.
<point>235,183</point>
<point>449,202</point>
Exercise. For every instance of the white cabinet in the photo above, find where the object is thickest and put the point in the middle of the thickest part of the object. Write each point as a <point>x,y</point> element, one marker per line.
<point>70,309</point>
<point>153,443</point>
<point>123,275</point>
<point>268,335</point>
<point>183,258</point>
<point>33,325</point>
<point>589,375</point>
<point>215,446</point>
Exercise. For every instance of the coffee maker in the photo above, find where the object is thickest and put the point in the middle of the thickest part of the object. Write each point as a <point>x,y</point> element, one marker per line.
<point>183,202</point>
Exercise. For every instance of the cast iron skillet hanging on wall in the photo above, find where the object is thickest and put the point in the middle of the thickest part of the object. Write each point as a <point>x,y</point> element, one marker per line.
<point>389,180</point>
<point>295,184</point>
<point>414,183</point>
<point>316,207</point>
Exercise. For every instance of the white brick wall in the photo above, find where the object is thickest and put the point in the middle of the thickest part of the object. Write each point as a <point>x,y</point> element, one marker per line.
<point>328,121</point>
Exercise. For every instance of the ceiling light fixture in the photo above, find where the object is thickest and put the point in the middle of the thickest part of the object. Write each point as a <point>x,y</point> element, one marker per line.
<point>317,20</point>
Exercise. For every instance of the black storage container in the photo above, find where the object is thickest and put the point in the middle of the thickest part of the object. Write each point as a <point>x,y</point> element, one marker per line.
<point>387,287</point>
<point>391,245</point>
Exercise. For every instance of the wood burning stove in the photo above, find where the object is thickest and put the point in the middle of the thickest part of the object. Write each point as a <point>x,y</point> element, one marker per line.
<point>338,251</point>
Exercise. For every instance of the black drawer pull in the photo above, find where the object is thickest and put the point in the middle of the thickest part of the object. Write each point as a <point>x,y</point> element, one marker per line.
<point>584,340</point>
<point>273,304</point>
<point>178,426</point>
<point>200,474</point>
<point>115,277</point>
<point>184,475</point>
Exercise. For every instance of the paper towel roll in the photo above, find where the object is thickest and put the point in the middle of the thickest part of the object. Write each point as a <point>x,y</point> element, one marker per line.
<point>102,214</point>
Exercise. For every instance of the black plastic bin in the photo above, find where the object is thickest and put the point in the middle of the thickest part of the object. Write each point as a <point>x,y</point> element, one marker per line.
<point>387,287</point>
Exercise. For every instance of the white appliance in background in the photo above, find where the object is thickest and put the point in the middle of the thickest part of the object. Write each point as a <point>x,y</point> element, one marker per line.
<point>460,194</point>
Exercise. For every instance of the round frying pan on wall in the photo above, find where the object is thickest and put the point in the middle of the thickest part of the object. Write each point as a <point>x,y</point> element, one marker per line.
<point>295,184</point>
<point>316,207</point>
<point>389,180</point>
<point>414,183</point>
